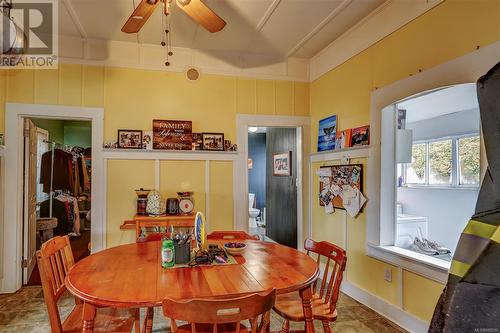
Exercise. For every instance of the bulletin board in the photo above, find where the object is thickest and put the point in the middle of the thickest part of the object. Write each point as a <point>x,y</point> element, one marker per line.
<point>341,175</point>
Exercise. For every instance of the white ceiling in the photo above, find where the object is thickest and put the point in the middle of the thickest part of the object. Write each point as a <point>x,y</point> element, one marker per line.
<point>444,101</point>
<point>275,28</point>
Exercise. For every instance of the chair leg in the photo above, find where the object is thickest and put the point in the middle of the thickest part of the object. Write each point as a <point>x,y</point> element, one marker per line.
<point>326,327</point>
<point>286,327</point>
<point>148,321</point>
<point>137,321</point>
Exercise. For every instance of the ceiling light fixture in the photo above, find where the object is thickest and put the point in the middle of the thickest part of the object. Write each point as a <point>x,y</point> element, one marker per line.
<point>253,129</point>
<point>166,36</point>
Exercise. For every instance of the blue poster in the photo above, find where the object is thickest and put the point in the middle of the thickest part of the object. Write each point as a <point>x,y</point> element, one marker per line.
<point>327,133</point>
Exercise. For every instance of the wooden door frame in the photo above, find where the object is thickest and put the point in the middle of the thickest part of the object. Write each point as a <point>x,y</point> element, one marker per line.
<point>240,173</point>
<point>13,185</point>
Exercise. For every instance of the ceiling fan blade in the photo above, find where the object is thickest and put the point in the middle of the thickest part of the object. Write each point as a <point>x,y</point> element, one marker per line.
<point>202,14</point>
<point>140,16</point>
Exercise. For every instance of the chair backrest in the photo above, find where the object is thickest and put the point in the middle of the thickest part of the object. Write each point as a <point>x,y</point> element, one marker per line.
<point>232,235</point>
<point>222,311</point>
<point>336,259</point>
<point>55,258</point>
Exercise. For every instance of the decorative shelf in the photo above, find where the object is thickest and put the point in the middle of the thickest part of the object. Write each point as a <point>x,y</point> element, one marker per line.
<point>192,155</point>
<point>353,152</point>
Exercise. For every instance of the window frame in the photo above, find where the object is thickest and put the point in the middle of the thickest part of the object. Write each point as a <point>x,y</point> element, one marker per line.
<point>455,163</point>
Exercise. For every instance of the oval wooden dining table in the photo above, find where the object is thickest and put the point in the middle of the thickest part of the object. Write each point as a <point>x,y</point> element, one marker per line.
<point>131,276</point>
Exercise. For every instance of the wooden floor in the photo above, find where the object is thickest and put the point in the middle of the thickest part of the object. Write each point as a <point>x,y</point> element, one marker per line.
<point>25,312</point>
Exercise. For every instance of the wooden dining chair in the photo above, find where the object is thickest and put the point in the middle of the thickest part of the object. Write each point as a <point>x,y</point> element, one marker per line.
<point>221,315</point>
<point>228,235</point>
<point>55,258</point>
<point>326,291</point>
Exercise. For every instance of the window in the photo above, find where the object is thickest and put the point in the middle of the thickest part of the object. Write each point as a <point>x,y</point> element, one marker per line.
<point>440,162</point>
<point>415,172</point>
<point>468,160</point>
<point>433,162</point>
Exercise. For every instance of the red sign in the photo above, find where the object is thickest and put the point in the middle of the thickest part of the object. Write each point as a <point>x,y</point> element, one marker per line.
<point>172,134</point>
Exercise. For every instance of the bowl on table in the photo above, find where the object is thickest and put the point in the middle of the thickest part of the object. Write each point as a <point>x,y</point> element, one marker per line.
<point>235,248</point>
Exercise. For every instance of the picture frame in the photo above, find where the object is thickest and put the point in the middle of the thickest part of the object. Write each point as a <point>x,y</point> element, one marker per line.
<point>212,141</point>
<point>147,140</point>
<point>327,133</point>
<point>197,143</point>
<point>282,164</point>
<point>129,139</point>
<point>172,134</point>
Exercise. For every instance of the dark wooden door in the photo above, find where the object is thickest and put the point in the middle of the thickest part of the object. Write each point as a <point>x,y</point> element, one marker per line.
<point>281,191</point>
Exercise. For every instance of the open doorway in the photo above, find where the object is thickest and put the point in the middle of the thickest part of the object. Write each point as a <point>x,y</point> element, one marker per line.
<point>57,187</point>
<point>272,183</point>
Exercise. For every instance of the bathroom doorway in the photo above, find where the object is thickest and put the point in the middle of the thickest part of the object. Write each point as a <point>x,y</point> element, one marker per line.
<point>272,184</point>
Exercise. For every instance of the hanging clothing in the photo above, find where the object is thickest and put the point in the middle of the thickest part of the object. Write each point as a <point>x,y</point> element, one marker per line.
<point>62,173</point>
<point>59,211</point>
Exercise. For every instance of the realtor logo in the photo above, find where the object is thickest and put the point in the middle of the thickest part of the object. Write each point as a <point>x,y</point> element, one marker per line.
<point>28,32</point>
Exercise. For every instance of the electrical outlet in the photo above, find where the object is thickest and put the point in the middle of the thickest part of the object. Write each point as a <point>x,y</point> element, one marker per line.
<point>387,274</point>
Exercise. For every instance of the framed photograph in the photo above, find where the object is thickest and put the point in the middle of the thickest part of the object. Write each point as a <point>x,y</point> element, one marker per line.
<point>197,141</point>
<point>360,136</point>
<point>172,134</point>
<point>147,140</point>
<point>282,164</point>
<point>129,139</point>
<point>213,141</point>
<point>327,131</point>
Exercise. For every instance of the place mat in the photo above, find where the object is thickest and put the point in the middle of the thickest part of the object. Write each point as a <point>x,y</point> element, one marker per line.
<point>230,261</point>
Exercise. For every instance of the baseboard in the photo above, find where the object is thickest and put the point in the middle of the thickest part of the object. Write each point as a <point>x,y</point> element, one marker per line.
<point>386,309</point>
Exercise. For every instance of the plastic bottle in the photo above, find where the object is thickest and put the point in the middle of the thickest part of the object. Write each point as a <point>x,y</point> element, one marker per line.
<point>167,253</point>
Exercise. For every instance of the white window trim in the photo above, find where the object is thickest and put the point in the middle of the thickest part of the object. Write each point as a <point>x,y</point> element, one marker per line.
<point>455,169</point>
<point>381,210</point>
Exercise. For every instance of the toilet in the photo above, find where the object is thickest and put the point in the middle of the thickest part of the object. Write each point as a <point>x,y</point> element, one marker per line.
<point>252,212</point>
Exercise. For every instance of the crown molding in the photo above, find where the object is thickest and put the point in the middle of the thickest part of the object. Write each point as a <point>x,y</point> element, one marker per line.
<point>386,19</point>
<point>152,57</point>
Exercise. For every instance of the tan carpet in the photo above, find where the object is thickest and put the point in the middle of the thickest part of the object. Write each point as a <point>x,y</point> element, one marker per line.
<point>25,312</point>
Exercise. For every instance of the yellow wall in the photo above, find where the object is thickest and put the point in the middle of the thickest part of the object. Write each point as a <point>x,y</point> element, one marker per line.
<point>132,98</point>
<point>450,30</point>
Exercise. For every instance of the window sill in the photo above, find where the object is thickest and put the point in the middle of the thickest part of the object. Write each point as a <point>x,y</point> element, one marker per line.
<point>436,187</point>
<point>432,268</point>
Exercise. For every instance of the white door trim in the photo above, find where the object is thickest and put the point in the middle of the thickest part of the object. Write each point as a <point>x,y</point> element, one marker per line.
<point>240,181</point>
<point>12,237</point>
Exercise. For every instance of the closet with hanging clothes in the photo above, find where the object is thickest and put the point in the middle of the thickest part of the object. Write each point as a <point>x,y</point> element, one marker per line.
<point>65,177</point>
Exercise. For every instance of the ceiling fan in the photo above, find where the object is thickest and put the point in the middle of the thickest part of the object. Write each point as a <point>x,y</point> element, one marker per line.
<point>196,9</point>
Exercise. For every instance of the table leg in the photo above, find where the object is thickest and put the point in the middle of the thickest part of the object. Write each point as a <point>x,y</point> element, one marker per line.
<point>88,318</point>
<point>306,295</point>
